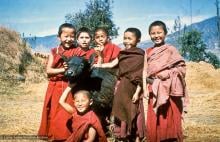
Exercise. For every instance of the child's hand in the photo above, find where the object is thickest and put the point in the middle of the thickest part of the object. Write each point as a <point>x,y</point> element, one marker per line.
<point>98,52</point>
<point>65,65</point>
<point>99,47</point>
<point>135,98</point>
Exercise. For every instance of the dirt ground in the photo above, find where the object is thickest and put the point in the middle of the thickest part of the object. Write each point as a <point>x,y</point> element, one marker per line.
<point>21,114</point>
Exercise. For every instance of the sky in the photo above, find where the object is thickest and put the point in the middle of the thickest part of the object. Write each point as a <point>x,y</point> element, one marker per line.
<point>43,17</point>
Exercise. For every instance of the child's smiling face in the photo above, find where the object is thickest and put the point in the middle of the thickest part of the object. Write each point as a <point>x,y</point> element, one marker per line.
<point>82,102</point>
<point>67,37</point>
<point>157,35</point>
<point>130,40</point>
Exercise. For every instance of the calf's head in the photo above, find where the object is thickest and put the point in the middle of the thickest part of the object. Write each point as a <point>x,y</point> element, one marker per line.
<point>77,66</point>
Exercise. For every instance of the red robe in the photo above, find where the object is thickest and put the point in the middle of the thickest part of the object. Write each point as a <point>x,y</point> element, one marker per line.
<point>165,104</point>
<point>110,52</point>
<point>87,54</point>
<point>54,117</point>
<point>81,124</point>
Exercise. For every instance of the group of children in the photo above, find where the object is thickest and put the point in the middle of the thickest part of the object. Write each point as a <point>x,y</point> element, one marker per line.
<point>157,74</point>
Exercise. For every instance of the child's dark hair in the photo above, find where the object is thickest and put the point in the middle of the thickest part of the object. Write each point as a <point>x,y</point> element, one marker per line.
<point>85,92</point>
<point>158,23</point>
<point>65,25</point>
<point>101,29</point>
<point>83,29</point>
<point>136,31</point>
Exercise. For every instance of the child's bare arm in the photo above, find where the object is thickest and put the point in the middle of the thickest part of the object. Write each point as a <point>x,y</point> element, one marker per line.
<point>91,135</point>
<point>50,70</point>
<point>62,100</point>
<point>107,65</point>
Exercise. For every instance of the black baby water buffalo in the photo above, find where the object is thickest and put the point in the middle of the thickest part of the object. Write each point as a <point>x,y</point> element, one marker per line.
<point>99,82</point>
<point>78,68</point>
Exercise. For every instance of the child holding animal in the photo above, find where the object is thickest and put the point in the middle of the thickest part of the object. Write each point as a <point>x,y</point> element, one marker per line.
<point>164,72</point>
<point>54,118</point>
<point>86,126</point>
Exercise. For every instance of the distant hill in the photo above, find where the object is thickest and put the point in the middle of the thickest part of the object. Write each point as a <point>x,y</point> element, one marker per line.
<point>208,27</point>
<point>43,44</point>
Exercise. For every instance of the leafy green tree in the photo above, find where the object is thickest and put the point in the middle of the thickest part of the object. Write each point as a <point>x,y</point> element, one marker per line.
<point>97,14</point>
<point>192,46</point>
<point>194,49</point>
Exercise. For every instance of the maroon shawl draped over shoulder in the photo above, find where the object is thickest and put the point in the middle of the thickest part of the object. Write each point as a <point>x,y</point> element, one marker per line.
<point>130,75</point>
<point>166,60</point>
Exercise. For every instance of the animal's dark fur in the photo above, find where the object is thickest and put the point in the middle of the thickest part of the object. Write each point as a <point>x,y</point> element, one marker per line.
<point>77,68</point>
<point>100,82</point>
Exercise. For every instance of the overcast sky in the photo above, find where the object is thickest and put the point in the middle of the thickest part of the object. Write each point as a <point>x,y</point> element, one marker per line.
<point>43,17</point>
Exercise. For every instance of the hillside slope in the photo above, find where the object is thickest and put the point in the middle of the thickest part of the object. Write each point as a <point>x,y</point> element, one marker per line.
<point>17,64</point>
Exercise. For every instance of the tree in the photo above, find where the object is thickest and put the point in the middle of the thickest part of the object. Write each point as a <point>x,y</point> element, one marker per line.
<point>97,14</point>
<point>194,49</point>
<point>192,46</point>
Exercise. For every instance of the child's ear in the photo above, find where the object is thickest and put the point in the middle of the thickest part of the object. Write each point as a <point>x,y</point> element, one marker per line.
<point>91,102</point>
<point>58,38</point>
<point>108,39</point>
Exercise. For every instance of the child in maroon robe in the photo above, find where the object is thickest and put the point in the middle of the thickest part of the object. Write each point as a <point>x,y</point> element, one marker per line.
<point>106,51</point>
<point>84,38</point>
<point>127,104</point>
<point>54,118</point>
<point>107,54</point>
<point>85,123</point>
<point>164,71</point>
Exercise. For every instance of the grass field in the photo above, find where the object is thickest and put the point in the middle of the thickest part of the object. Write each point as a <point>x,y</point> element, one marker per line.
<point>21,111</point>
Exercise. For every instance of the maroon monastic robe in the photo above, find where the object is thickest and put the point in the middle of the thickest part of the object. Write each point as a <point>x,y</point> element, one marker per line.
<point>85,53</point>
<point>81,124</point>
<point>110,52</point>
<point>131,63</point>
<point>54,117</point>
<point>166,100</point>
